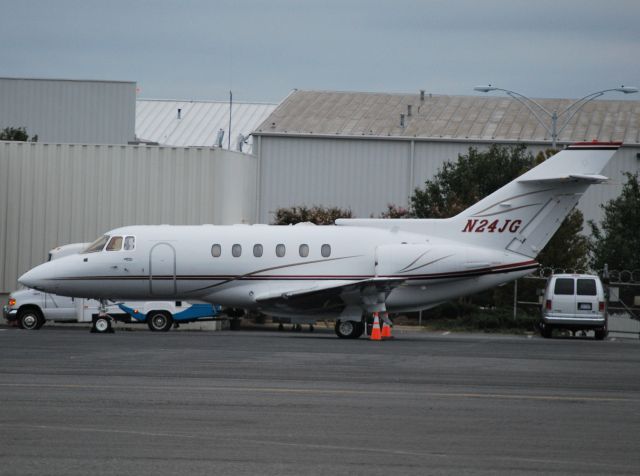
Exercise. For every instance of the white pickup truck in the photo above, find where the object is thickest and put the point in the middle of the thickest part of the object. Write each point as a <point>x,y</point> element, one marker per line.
<point>30,309</point>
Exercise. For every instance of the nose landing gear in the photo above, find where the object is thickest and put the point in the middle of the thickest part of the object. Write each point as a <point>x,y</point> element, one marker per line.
<point>101,323</point>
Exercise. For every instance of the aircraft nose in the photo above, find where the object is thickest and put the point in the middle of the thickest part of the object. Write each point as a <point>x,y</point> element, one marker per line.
<point>39,277</point>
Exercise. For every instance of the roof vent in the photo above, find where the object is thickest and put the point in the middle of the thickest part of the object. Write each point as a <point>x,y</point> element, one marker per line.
<point>422,95</point>
<point>219,138</point>
<point>409,106</point>
<point>401,120</point>
<point>179,113</point>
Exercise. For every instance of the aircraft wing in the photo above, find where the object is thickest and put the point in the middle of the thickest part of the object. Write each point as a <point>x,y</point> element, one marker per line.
<point>330,297</point>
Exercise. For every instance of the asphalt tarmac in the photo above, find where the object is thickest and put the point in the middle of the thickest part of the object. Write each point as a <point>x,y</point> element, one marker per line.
<point>266,402</point>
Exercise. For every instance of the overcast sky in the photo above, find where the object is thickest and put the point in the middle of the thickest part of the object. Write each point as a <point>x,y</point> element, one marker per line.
<point>197,49</point>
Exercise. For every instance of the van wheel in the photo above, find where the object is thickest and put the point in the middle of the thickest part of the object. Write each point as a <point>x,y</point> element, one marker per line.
<point>545,330</point>
<point>600,334</point>
<point>349,329</point>
<point>30,319</point>
<point>159,321</point>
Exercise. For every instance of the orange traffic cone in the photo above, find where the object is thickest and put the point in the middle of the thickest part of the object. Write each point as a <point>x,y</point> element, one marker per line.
<point>386,329</point>
<point>375,330</point>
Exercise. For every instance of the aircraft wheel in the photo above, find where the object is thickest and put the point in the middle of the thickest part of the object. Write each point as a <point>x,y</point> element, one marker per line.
<point>349,329</point>
<point>30,319</point>
<point>102,325</point>
<point>159,321</point>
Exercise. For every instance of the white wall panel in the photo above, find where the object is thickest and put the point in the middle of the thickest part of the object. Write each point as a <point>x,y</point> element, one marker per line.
<point>366,174</point>
<point>54,194</point>
<point>358,174</point>
<point>70,111</point>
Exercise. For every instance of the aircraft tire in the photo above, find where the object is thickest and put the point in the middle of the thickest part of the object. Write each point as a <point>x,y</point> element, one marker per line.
<point>102,325</point>
<point>159,321</point>
<point>349,329</point>
<point>30,319</point>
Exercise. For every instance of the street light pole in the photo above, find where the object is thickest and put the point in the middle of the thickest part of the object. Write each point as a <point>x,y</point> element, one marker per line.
<point>566,114</point>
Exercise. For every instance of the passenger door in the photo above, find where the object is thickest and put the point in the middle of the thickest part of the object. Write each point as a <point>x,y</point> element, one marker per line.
<point>59,308</point>
<point>563,302</point>
<point>162,270</point>
<point>586,297</point>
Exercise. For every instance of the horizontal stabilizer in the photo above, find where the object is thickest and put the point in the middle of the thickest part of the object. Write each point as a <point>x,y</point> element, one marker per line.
<point>584,178</point>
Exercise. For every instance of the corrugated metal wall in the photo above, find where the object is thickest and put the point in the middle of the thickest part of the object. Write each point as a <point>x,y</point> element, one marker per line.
<point>367,174</point>
<point>54,194</point>
<point>70,111</point>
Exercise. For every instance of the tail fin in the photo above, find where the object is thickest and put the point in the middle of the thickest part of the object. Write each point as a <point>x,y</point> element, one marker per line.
<point>523,215</point>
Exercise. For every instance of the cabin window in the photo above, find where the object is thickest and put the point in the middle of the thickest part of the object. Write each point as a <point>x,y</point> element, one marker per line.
<point>115,244</point>
<point>564,286</point>
<point>216,250</point>
<point>97,245</point>
<point>257,250</point>
<point>325,251</point>
<point>303,250</point>
<point>236,250</point>
<point>129,243</point>
<point>280,250</point>
<point>586,287</point>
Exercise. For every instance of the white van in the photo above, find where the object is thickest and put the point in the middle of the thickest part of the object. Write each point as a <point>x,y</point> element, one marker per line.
<point>574,302</point>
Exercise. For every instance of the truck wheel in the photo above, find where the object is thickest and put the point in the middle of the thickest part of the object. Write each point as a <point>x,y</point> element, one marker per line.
<point>545,330</point>
<point>102,325</point>
<point>30,319</point>
<point>234,324</point>
<point>159,321</point>
<point>600,334</point>
<point>349,329</point>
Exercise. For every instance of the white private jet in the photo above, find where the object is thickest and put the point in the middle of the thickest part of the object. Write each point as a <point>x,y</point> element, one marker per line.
<point>344,272</point>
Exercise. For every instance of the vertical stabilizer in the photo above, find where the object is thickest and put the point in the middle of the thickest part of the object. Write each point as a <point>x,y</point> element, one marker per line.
<point>523,215</point>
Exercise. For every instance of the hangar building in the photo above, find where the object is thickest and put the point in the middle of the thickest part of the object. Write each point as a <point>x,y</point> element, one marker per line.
<point>70,111</point>
<point>366,150</point>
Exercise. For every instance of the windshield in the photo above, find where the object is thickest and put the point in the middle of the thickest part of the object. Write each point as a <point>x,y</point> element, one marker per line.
<point>97,245</point>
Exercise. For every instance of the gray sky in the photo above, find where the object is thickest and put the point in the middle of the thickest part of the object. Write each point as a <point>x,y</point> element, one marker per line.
<point>196,49</point>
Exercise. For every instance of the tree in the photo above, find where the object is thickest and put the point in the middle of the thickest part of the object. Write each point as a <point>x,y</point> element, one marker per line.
<point>395,211</point>
<point>458,185</point>
<point>17,134</point>
<point>616,242</point>
<point>318,215</point>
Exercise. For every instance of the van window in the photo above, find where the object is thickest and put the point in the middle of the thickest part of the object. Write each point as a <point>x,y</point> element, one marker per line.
<point>325,251</point>
<point>97,245</point>
<point>280,250</point>
<point>216,250</point>
<point>257,250</point>
<point>129,243</point>
<point>236,250</point>
<point>304,250</point>
<point>563,286</point>
<point>115,244</point>
<point>586,287</point>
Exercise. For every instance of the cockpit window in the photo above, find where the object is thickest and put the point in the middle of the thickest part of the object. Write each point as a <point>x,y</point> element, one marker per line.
<point>97,245</point>
<point>115,244</point>
<point>129,243</point>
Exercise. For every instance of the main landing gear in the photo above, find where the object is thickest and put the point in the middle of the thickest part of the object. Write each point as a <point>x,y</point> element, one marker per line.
<point>349,329</point>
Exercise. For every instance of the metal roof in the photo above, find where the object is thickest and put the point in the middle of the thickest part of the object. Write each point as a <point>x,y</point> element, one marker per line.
<point>356,114</point>
<point>198,122</point>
